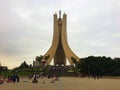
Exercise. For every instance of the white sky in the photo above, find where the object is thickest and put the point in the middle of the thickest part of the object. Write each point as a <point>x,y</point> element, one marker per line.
<point>26,28</point>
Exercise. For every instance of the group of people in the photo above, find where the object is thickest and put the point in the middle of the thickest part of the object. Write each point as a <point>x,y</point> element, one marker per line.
<point>1,81</point>
<point>36,76</point>
<point>11,78</point>
<point>14,78</point>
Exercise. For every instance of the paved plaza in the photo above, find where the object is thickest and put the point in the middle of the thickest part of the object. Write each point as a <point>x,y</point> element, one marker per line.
<point>64,83</point>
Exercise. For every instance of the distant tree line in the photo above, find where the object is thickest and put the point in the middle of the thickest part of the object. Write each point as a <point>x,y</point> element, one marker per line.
<point>91,66</point>
<point>99,66</point>
<point>25,70</point>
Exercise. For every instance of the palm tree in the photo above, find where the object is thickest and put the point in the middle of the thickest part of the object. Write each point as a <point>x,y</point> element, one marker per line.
<point>47,57</point>
<point>39,58</point>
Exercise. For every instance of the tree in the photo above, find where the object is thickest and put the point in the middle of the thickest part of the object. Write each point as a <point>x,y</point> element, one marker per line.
<point>39,58</point>
<point>24,65</point>
<point>74,60</point>
<point>46,57</point>
<point>98,66</point>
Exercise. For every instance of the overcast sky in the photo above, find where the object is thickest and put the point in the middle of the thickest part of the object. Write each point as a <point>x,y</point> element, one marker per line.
<point>26,28</point>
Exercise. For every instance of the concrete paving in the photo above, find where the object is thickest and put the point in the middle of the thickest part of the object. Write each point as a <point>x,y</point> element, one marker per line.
<point>64,83</point>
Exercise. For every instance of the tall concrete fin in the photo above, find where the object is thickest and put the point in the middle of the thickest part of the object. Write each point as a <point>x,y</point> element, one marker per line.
<point>68,52</point>
<point>55,41</point>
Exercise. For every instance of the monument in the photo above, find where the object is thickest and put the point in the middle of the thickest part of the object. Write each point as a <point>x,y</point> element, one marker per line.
<point>59,51</point>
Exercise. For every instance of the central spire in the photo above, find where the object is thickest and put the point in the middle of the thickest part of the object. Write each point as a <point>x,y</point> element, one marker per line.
<point>60,14</point>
